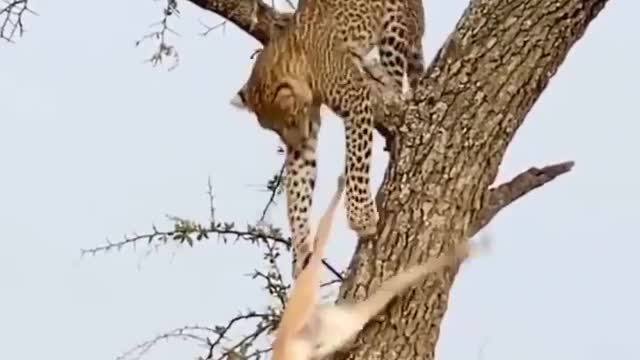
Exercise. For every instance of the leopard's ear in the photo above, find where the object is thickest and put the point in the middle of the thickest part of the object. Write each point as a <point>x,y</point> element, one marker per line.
<point>239,100</point>
<point>292,90</point>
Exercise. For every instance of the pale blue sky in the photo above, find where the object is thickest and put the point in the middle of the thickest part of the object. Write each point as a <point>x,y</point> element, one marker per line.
<point>94,144</point>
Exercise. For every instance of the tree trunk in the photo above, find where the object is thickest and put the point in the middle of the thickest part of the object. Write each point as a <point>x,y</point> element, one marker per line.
<point>445,148</point>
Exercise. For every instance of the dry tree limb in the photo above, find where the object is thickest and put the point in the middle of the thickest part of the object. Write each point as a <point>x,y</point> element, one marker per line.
<point>503,195</point>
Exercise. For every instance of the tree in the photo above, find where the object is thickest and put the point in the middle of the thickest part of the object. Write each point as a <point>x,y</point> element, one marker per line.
<point>445,148</point>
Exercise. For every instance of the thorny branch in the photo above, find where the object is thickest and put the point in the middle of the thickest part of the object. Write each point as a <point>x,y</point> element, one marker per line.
<point>210,337</point>
<point>266,322</point>
<point>188,231</point>
<point>197,333</point>
<point>275,285</point>
<point>11,18</point>
<point>185,230</point>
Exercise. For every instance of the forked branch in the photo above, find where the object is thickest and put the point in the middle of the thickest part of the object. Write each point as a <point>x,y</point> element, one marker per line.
<point>12,14</point>
<point>163,30</point>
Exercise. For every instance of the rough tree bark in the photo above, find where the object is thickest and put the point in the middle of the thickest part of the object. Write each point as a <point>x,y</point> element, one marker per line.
<point>446,147</point>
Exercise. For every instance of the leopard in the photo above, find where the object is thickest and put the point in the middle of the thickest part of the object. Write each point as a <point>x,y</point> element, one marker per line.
<point>399,50</point>
<point>319,59</point>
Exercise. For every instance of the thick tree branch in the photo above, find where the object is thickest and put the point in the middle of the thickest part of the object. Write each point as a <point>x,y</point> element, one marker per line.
<point>503,195</point>
<point>447,148</point>
<point>253,16</point>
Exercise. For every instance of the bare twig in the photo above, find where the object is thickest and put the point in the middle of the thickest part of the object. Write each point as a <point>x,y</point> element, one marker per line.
<point>334,281</point>
<point>275,188</point>
<point>212,210</point>
<point>512,190</point>
<point>11,18</point>
<point>164,49</point>
<point>290,3</point>
<point>221,25</point>
<point>257,354</point>
<point>255,53</point>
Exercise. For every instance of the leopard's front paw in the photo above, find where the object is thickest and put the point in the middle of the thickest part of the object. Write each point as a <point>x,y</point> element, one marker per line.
<point>364,219</point>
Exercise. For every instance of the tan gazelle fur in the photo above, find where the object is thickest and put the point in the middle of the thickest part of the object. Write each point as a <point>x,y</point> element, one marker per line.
<point>315,331</point>
<point>303,297</point>
<point>311,331</point>
<point>336,325</point>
